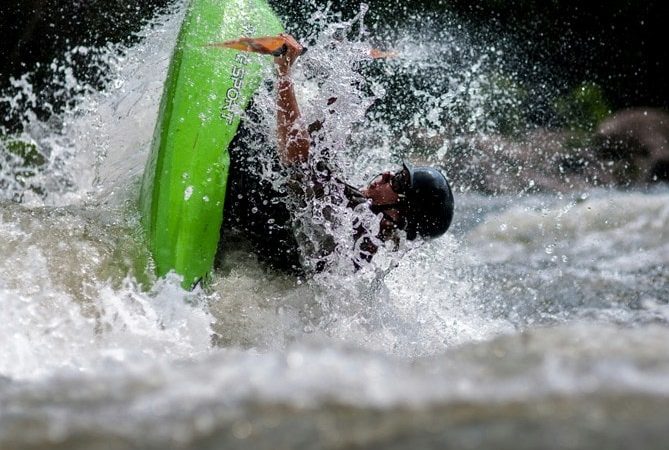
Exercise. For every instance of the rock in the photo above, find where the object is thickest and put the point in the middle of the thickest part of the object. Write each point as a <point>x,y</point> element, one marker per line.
<point>639,138</point>
<point>629,148</point>
<point>541,161</point>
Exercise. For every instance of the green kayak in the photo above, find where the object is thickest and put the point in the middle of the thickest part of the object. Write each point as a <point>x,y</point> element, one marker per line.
<point>185,179</point>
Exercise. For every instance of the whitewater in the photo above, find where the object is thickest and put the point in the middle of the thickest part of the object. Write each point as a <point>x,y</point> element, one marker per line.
<point>539,320</point>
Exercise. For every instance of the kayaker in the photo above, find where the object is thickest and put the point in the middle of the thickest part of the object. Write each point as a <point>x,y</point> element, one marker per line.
<point>414,200</point>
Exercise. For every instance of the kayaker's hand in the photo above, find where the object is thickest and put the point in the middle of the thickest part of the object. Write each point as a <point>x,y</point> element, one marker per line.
<point>288,53</point>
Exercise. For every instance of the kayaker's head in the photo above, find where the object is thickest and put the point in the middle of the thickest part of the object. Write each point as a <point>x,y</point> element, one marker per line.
<point>415,199</point>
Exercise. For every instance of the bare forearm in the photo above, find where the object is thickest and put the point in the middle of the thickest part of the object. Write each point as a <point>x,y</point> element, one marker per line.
<point>293,136</point>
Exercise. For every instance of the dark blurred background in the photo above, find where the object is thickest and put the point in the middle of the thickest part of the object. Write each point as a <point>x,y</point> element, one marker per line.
<point>621,45</point>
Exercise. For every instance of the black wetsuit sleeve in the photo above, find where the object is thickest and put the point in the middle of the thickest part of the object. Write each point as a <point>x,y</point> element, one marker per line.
<point>254,209</point>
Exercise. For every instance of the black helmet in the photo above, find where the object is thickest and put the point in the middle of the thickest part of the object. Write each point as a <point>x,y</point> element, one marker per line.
<point>429,201</point>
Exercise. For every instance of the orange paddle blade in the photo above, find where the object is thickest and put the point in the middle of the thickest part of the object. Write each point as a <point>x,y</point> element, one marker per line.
<point>266,45</point>
<point>375,53</point>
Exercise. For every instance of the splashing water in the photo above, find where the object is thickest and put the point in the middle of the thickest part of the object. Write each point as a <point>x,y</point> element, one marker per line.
<point>438,339</point>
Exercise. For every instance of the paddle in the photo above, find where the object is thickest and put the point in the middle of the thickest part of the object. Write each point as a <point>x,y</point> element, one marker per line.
<point>278,45</point>
<point>265,45</point>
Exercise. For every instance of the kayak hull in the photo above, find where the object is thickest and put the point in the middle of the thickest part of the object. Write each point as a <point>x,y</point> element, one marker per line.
<point>184,183</point>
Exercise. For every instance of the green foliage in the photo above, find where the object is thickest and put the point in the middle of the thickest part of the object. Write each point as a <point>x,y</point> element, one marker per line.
<point>505,98</point>
<point>20,161</point>
<point>26,151</point>
<point>582,108</point>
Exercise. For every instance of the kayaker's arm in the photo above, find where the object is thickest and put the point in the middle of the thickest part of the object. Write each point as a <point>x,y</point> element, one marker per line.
<point>293,135</point>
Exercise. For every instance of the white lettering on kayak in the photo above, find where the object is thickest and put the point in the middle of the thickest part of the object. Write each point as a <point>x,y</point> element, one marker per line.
<point>237,75</point>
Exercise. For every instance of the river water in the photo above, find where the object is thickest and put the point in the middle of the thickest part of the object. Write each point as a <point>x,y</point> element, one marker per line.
<point>539,320</point>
